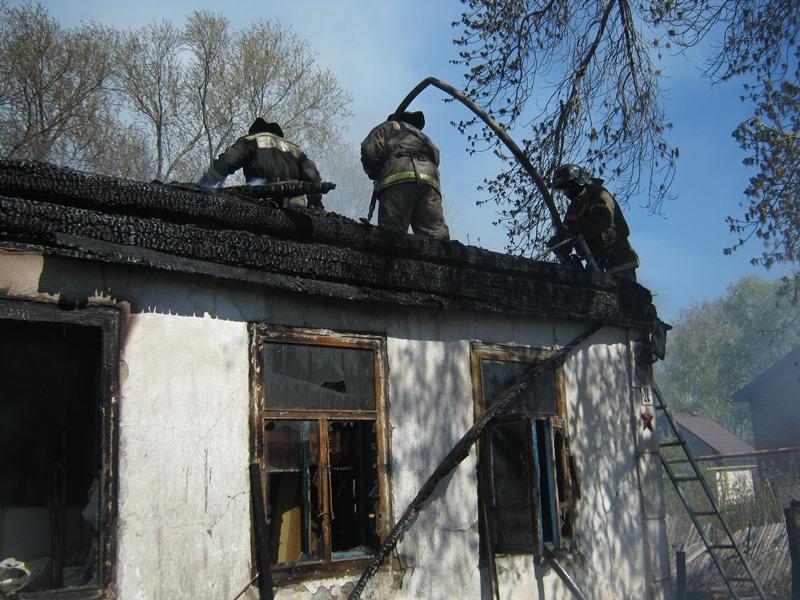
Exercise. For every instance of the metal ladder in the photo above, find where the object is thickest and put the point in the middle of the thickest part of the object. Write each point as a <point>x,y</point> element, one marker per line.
<point>737,573</point>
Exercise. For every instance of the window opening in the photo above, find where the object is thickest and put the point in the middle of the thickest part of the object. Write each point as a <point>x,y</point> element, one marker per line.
<point>353,488</point>
<point>320,402</point>
<point>524,455</point>
<point>292,463</point>
<point>511,487</point>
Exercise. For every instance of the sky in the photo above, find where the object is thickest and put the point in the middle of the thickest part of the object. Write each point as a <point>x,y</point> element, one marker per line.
<point>380,50</point>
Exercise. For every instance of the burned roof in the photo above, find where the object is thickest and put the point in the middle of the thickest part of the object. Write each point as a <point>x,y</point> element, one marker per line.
<point>63,212</point>
<point>713,434</point>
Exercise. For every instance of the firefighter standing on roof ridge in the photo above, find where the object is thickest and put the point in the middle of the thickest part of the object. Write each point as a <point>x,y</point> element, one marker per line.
<point>404,164</point>
<point>266,157</point>
<point>594,213</point>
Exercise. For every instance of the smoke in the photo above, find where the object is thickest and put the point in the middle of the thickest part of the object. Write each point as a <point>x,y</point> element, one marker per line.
<point>207,184</point>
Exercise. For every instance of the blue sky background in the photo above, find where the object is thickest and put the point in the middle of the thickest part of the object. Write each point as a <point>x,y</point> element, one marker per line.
<point>380,50</point>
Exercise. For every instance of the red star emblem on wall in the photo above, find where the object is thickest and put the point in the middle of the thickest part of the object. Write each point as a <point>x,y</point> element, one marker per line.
<point>647,420</point>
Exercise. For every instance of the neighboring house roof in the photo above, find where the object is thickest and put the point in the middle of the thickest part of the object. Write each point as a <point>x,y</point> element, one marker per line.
<point>219,234</point>
<point>790,361</point>
<point>713,434</point>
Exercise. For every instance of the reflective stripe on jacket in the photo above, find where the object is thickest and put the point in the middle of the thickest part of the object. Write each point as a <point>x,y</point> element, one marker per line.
<point>404,176</point>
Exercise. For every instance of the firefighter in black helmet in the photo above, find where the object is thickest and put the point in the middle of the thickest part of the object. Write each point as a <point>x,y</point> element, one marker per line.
<point>404,164</point>
<point>594,213</point>
<point>266,157</point>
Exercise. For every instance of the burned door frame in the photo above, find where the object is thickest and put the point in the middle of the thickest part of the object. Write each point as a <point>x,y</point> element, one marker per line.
<point>550,421</point>
<point>259,414</point>
<point>107,319</point>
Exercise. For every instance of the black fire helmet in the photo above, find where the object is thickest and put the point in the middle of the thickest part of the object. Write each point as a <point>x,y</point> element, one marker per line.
<point>415,119</point>
<point>566,174</point>
<point>261,126</point>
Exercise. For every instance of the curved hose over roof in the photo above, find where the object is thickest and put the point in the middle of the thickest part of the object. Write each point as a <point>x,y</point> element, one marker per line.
<point>506,139</point>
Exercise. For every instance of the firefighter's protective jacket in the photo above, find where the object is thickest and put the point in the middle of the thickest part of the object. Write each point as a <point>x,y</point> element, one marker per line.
<point>596,215</point>
<point>396,152</point>
<point>265,156</point>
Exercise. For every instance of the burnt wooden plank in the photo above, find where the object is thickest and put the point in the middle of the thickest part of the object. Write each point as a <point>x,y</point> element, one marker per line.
<point>261,529</point>
<point>59,225</point>
<point>56,185</point>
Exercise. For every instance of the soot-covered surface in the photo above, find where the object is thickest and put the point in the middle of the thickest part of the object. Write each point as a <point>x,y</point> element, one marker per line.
<point>229,236</point>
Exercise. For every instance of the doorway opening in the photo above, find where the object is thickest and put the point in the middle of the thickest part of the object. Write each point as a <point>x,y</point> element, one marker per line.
<point>53,395</point>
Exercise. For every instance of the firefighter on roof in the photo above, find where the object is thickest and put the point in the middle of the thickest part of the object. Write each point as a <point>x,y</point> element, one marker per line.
<point>594,213</point>
<point>404,164</point>
<point>266,157</point>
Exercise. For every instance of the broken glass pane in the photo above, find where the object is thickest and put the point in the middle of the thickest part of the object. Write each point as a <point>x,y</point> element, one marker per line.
<point>540,397</point>
<point>354,488</point>
<point>299,376</point>
<point>291,454</point>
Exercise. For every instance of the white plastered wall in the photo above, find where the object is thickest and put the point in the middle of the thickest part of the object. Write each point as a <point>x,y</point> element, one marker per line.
<point>183,459</point>
<point>184,513</point>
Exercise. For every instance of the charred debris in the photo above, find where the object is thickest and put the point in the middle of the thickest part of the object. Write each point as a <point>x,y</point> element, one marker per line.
<point>230,234</point>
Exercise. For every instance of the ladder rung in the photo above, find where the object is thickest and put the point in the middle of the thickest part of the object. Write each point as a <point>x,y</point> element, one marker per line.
<point>722,547</point>
<point>673,443</point>
<point>705,513</point>
<point>687,478</point>
<point>678,461</point>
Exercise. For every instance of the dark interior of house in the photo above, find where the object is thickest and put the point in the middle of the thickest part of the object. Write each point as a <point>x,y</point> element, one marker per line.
<point>50,441</point>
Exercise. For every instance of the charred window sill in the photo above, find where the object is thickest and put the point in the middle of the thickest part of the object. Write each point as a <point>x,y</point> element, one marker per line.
<point>561,554</point>
<point>287,575</point>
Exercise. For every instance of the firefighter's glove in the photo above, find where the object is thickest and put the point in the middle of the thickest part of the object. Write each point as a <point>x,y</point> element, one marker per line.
<point>562,252</point>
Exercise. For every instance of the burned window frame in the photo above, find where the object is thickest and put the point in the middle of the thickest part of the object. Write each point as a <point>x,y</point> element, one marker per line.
<point>563,481</point>
<point>261,333</point>
<point>107,320</point>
